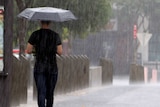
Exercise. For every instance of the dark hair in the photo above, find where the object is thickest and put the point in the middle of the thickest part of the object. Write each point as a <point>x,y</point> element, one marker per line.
<point>45,22</point>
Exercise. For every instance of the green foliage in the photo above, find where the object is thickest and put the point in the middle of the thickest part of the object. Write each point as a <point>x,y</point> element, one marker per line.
<point>65,33</point>
<point>137,6</point>
<point>92,14</point>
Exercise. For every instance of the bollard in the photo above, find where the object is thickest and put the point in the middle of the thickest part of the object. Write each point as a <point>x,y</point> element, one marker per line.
<point>68,74</point>
<point>25,68</point>
<point>64,73</point>
<point>107,71</point>
<point>87,71</point>
<point>19,81</point>
<point>58,88</point>
<point>15,96</point>
<point>136,74</point>
<point>73,73</point>
<point>79,73</point>
<point>76,65</point>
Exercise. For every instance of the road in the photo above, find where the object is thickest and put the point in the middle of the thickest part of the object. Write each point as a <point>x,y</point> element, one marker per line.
<point>120,94</point>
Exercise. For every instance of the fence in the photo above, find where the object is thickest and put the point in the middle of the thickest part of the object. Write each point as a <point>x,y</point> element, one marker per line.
<point>73,75</point>
<point>19,80</point>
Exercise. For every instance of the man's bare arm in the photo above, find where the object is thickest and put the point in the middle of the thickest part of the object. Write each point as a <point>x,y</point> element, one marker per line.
<point>59,49</point>
<point>29,48</point>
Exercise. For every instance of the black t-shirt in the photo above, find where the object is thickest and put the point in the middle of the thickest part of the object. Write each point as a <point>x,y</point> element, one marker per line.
<point>45,42</point>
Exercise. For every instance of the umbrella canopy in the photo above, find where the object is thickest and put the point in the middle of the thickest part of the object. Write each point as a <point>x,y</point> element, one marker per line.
<point>47,13</point>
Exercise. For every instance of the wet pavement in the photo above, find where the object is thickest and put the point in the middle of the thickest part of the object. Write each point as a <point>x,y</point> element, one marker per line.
<point>120,94</point>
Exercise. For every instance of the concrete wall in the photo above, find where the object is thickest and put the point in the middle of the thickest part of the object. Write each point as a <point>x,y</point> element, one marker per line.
<point>101,75</point>
<point>95,76</point>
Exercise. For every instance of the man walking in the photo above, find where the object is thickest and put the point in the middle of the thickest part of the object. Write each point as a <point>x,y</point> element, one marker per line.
<point>47,44</point>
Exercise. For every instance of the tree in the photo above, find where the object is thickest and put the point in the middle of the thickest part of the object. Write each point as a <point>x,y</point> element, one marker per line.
<point>134,9</point>
<point>92,16</point>
<point>22,23</point>
<point>139,8</point>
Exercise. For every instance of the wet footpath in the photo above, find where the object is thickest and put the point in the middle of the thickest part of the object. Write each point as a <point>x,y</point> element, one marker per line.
<point>120,94</point>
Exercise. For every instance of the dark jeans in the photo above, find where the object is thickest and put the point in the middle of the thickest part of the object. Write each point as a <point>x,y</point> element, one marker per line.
<point>45,78</point>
